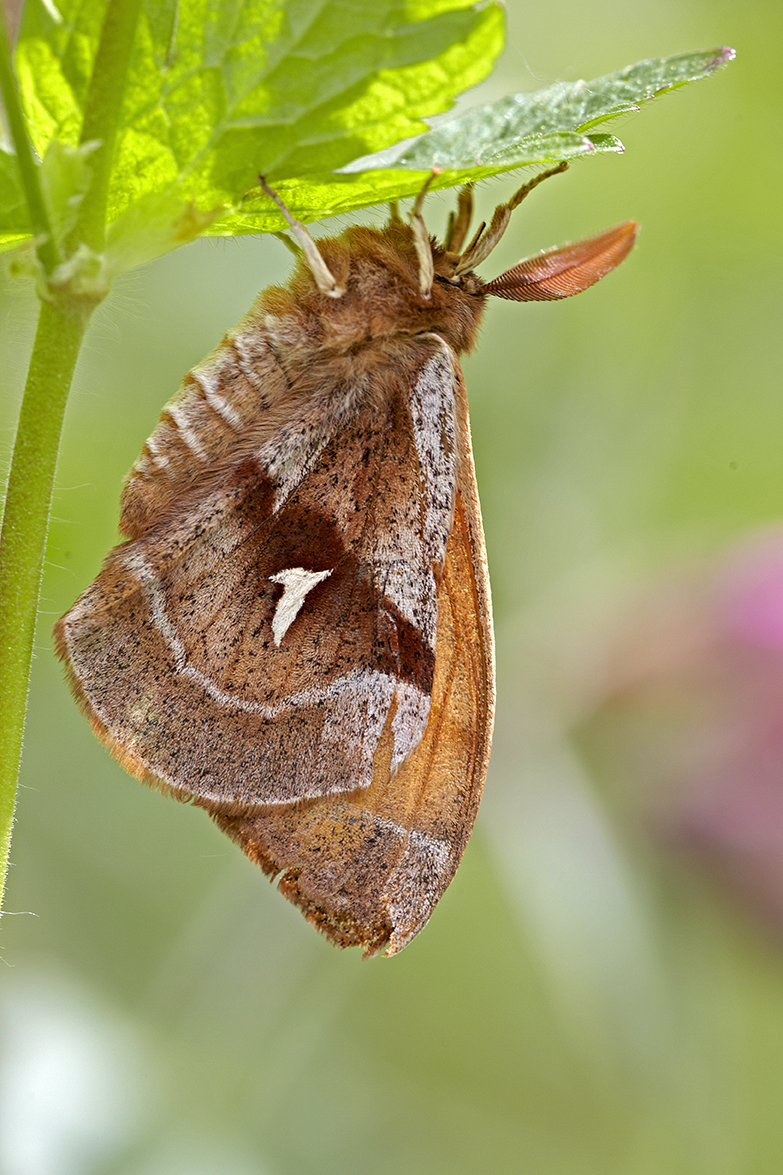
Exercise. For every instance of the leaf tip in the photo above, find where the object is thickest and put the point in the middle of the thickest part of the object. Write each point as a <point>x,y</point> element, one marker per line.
<point>723,55</point>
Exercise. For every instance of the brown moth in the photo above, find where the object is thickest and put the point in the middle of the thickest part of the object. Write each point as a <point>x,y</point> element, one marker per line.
<point>296,635</point>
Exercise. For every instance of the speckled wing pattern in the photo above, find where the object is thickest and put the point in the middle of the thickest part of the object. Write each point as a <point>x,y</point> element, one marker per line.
<point>273,640</point>
<point>368,868</point>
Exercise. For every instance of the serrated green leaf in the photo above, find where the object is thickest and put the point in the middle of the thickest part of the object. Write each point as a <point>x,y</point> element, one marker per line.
<point>217,96</point>
<point>223,92</point>
<point>500,131</point>
<point>330,194</point>
<point>547,126</point>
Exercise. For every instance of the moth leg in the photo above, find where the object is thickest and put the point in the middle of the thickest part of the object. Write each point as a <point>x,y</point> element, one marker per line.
<point>481,246</point>
<point>326,283</point>
<point>394,213</point>
<point>459,221</point>
<point>421,239</point>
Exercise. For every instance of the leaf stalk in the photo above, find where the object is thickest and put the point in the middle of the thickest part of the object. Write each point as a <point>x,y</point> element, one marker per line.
<point>46,248</point>
<point>102,109</point>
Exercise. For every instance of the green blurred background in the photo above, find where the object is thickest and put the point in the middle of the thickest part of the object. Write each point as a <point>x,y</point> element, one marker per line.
<point>595,994</point>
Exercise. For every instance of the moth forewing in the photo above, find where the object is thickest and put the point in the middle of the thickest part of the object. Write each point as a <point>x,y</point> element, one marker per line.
<point>368,869</point>
<point>187,650</point>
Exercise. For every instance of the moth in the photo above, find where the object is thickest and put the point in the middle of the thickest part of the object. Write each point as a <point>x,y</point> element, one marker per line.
<point>296,634</point>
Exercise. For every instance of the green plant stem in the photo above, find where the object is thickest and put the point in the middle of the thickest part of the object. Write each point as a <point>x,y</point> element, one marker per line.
<point>60,332</point>
<point>61,326</point>
<point>102,109</point>
<point>39,217</point>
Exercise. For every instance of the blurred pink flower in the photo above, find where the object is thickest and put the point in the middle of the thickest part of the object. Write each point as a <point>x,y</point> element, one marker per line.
<point>701,664</point>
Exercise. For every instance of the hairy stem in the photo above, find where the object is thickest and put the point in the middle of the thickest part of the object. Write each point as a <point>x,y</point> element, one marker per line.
<point>63,320</point>
<point>60,331</point>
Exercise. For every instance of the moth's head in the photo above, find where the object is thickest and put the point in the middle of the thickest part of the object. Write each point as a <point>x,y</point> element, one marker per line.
<point>400,281</point>
<point>402,297</point>
<point>433,287</point>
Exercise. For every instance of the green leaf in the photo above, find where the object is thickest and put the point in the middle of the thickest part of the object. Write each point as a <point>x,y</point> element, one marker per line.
<point>216,95</point>
<point>502,134</point>
<point>151,227</point>
<point>547,126</point>
<point>316,197</point>
<point>16,222</point>
<point>64,176</point>
<point>300,92</point>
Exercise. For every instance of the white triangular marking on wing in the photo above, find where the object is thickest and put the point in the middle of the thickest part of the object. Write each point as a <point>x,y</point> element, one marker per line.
<point>297,582</point>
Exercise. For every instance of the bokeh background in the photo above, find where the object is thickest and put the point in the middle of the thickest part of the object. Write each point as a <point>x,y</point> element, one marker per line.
<point>601,989</point>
